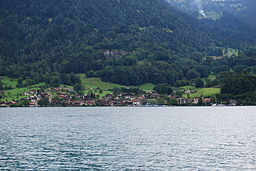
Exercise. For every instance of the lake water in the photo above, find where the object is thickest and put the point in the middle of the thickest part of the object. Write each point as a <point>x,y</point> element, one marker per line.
<point>173,138</point>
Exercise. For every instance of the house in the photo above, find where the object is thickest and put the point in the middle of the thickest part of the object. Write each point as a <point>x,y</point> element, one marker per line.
<point>217,57</point>
<point>196,100</point>
<point>26,94</point>
<point>117,103</point>
<point>33,104</point>
<point>171,97</point>
<point>155,95</point>
<point>77,103</point>
<point>189,91</point>
<point>127,102</point>
<point>232,102</point>
<point>114,53</point>
<point>136,102</point>
<point>58,88</point>
<point>206,100</point>
<point>116,98</point>
<point>183,101</point>
<point>45,95</point>
<point>127,97</point>
<point>68,89</point>
<point>141,97</point>
<point>63,95</point>
<point>90,102</point>
<point>3,105</point>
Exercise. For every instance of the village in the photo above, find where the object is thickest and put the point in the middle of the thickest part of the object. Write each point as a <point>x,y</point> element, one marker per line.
<point>63,96</point>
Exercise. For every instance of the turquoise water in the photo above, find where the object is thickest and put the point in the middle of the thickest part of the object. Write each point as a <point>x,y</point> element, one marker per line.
<point>189,138</point>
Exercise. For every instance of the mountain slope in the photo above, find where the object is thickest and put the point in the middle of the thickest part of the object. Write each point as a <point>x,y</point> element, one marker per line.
<point>38,30</point>
<point>124,41</point>
<point>50,24</point>
<point>227,18</point>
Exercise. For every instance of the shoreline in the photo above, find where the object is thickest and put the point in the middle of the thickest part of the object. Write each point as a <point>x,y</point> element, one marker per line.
<point>126,107</point>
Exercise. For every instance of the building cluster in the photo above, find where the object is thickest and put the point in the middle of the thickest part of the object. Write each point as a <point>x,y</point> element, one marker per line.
<point>61,96</point>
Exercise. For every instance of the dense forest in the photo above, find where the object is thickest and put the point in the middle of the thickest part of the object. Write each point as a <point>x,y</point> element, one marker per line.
<point>243,10</point>
<point>128,42</point>
<point>239,86</point>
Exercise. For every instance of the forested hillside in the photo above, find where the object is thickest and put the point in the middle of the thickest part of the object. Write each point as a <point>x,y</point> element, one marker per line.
<point>129,42</point>
<point>226,19</point>
<point>244,10</point>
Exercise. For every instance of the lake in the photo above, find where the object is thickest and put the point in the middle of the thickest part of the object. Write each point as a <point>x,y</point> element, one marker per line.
<point>129,138</point>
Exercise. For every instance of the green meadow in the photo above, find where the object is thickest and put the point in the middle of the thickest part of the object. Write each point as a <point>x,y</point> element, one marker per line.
<point>95,82</point>
<point>9,82</point>
<point>105,88</point>
<point>230,52</point>
<point>18,93</point>
<point>147,87</point>
<point>205,92</point>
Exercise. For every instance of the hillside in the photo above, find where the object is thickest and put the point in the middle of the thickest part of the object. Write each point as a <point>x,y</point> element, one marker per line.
<point>128,42</point>
<point>243,9</point>
<point>226,19</point>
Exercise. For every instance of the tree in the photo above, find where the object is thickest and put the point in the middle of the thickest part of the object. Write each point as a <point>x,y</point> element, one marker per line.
<point>78,87</point>
<point>25,103</point>
<point>117,90</point>
<point>181,83</point>
<point>213,99</point>
<point>1,85</point>
<point>191,74</point>
<point>199,83</point>
<point>19,83</point>
<point>163,89</point>
<point>44,102</point>
<point>153,48</point>
<point>234,83</point>
<point>53,80</point>
<point>173,101</point>
<point>200,101</point>
<point>91,94</point>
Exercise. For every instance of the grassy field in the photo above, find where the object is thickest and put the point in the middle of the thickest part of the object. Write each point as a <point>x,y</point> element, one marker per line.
<point>96,82</point>
<point>17,93</point>
<point>147,87</point>
<point>205,92</point>
<point>9,82</point>
<point>230,52</point>
<point>214,15</point>
<point>89,83</point>
<point>187,88</point>
<point>92,83</point>
<point>102,94</point>
<point>14,94</point>
<point>211,77</point>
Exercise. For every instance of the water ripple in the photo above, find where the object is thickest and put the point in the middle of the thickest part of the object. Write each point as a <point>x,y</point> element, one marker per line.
<point>128,138</point>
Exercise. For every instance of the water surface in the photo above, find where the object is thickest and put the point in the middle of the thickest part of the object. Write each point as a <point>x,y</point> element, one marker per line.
<point>187,138</point>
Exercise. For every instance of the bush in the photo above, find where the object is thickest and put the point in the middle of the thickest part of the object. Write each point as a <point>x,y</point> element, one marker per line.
<point>163,89</point>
